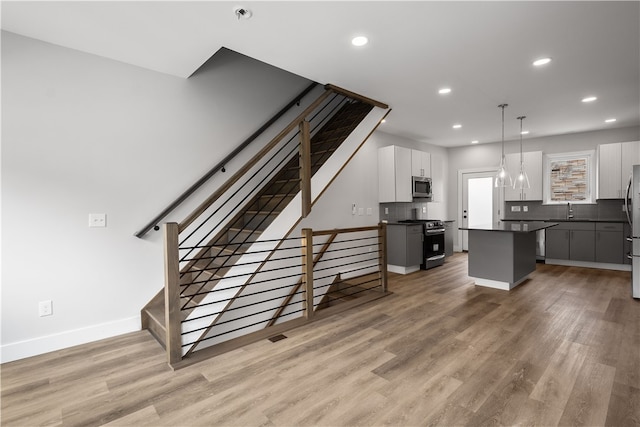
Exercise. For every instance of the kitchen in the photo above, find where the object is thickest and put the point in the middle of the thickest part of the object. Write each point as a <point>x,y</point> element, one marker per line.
<point>602,223</point>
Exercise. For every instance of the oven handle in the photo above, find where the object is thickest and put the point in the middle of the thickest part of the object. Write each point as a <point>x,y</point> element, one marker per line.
<point>433,258</point>
<point>439,230</point>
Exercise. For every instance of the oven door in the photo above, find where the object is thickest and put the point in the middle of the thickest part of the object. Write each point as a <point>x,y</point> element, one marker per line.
<point>433,248</point>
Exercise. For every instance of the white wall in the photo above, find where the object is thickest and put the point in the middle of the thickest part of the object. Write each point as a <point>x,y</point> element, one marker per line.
<point>83,134</point>
<point>488,155</point>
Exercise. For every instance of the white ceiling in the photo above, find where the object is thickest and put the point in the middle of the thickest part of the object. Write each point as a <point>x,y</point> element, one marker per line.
<point>482,50</point>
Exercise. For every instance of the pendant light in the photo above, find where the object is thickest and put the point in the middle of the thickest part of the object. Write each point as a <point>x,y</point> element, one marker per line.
<point>503,178</point>
<point>522,180</point>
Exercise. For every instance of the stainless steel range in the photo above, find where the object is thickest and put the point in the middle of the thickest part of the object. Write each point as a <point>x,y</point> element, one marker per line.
<point>432,242</point>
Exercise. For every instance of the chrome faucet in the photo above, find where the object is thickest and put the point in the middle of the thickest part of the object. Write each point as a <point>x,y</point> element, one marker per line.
<point>569,211</point>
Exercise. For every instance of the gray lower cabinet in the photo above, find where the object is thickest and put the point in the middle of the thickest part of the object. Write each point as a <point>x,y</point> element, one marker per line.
<point>557,243</point>
<point>610,242</point>
<point>571,241</point>
<point>404,244</point>
<point>602,242</point>
<point>582,245</point>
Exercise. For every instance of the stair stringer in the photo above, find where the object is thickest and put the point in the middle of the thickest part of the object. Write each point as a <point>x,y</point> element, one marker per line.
<point>214,307</point>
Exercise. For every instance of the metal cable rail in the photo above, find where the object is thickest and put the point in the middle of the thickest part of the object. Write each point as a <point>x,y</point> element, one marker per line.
<point>348,289</point>
<point>153,224</point>
<point>208,247</point>
<point>354,289</point>
<point>251,193</point>
<point>335,103</point>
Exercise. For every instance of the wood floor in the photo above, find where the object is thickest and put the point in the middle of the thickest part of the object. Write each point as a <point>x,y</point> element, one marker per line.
<point>561,349</point>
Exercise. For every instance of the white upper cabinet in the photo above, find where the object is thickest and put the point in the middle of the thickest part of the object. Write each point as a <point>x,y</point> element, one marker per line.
<point>533,168</point>
<point>420,163</point>
<point>615,163</point>
<point>630,156</point>
<point>394,174</point>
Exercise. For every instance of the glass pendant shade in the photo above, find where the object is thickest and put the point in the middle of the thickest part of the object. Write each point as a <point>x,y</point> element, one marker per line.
<point>522,180</point>
<point>503,178</point>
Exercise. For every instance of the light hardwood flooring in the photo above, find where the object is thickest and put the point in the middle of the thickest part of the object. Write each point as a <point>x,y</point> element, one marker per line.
<point>561,349</point>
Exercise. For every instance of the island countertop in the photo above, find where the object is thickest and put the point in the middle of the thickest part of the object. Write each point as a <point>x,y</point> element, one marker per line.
<point>512,226</point>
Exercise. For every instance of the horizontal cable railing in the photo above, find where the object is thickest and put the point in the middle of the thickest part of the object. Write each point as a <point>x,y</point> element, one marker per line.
<point>226,279</point>
<point>220,166</point>
<point>295,281</point>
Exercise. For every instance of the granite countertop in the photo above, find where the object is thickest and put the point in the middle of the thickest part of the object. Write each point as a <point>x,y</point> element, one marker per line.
<point>513,226</point>
<point>566,220</point>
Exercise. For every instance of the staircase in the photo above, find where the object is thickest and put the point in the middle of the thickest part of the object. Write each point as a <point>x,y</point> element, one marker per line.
<point>209,265</point>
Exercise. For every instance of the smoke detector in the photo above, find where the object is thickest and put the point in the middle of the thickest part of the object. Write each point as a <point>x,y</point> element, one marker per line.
<point>242,13</point>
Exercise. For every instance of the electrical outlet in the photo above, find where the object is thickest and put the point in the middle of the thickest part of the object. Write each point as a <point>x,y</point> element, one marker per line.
<point>424,209</point>
<point>360,211</point>
<point>386,211</point>
<point>515,208</point>
<point>525,209</point>
<point>97,220</point>
<point>45,308</point>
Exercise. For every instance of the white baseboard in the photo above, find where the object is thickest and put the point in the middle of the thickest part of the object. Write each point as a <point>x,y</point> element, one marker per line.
<point>35,346</point>
<point>496,284</point>
<point>401,269</point>
<point>602,265</point>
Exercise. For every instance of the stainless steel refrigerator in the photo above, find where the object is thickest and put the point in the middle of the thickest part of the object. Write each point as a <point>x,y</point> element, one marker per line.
<point>632,206</point>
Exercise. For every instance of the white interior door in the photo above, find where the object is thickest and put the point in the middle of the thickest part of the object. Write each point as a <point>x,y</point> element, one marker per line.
<point>480,201</point>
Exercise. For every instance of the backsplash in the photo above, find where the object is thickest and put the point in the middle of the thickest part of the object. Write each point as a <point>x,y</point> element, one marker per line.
<point>602,210</point>
<point>399,211</point>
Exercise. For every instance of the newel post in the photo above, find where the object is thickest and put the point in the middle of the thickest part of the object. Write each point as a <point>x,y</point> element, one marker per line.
<point>382,242</point>
<point>305,167</point>
<point>307,271</point>
<point>173,341</point>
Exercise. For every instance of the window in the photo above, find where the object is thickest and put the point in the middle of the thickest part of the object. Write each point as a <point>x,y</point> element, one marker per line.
<point>569,177</point>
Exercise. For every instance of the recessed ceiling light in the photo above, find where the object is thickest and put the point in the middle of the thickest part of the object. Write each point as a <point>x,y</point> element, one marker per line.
<point>475,141</point>
<point>457,126</point>
<point>589,99</point>
<point>524,132</point>
<point>359,41</point>
<point>610,120</point>
<point>541,61</point>
<point>444,90</point>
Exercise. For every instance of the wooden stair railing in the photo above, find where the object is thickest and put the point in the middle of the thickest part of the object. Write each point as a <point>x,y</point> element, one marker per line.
<point>153,224</point>
<point>206,268</point>
<point>371,286</point>
<point>297,122</point>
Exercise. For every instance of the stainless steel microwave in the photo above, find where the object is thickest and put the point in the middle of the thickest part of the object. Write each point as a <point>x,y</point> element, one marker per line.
<point>421,187</point>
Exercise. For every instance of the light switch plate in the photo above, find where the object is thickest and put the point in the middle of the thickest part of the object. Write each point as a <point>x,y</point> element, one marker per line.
<point>525,209</point>
<point>45,308</point>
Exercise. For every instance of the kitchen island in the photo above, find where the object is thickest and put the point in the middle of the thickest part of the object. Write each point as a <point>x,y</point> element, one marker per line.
<point>503,254</point>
